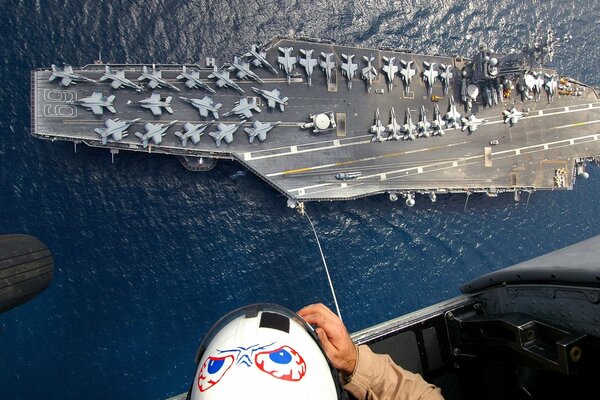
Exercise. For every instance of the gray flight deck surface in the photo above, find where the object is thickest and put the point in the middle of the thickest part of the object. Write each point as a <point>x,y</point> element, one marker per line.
<point>303,165</point>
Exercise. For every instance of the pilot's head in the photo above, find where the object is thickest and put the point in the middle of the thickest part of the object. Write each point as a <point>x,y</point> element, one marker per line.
<point>263,352</point>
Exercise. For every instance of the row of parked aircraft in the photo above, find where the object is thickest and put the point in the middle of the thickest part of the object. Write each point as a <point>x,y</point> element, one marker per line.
<point>287,62</point>
<point>117,130</point>
<point>155,103</point>
<point>435,127</point>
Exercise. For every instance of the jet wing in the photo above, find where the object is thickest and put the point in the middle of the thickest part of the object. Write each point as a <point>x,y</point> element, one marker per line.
<point>116,84</point>
<point>190,83</point>
<point>68,69</point>
<point>271,103</point>
<point>155,96</point>
<point>247,113</point>
<point>221,83</point>
<point>66,81</point>
<point>97,110</point>
<point>156,110</point>
<point>96,96</point>
<point>153,84</point>
<point>203,111</point>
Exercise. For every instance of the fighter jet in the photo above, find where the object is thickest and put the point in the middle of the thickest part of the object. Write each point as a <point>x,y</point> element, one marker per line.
<point>192,132</point>
<point>155,79</point>
<point>192,79</point>
<point>96,103</point>
<point>154,132</point>
<point>369,73</point>
<point>406,73</point>
<point>308,63</point>
<point>243,70</point>
<point>452,117</point>
<point>377,129</point>
<point>349,68</point>
<point>550,86</point>
<point>423,125</point>
<point>155,103</point>
<point>393,128</point>
<point>471,123</point>
<point>115,128</point>
<point>223,79</point>
<point>287,62</point>
<point>512,115</point>
<point>538,83</point>
<point>67,76</point>
<point>390,68</point>
<point>243,108</point>
<point>429,75</point>
<point>273,97</point>
<point>118,79</point>
<point>260,130</point>
<point>259,59</point>
<point>327,64</point>
<point>204,106</point>
<point>445,76</point>
<point>225,132</point>
<point>408,128</point>
<point>437,124</point>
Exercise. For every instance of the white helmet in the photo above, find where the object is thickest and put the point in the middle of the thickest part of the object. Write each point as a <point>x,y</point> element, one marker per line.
<point>263,351</point>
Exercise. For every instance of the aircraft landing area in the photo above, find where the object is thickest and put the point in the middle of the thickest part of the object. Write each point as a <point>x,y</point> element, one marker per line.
<point>343,161</point>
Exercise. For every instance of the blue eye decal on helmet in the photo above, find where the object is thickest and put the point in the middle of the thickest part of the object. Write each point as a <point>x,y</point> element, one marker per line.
<point>281,357</point>
<point>282,363</point>
<point>213,370</point>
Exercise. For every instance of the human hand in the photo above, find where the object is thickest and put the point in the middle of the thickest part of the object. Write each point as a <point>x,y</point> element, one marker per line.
<point>333,335</point>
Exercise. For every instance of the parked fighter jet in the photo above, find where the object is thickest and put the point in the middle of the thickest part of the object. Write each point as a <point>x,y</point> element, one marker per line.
<point>243,108</point>
<point>223,79</point>
<point>155,103</point>
<point>155,79</point>
<point>118,79</point>
<point>192,79</point>
<point>273,97</point>
<point>423,125</point>
<point>437,124</point>
<point>377,129</point>
<point>429,75</point>
<point>115,128</point>
<point>393,128</point>
<point>512,115</point>
<point>96,103</point>
<point>538,83</point>
<point>287,62</point>
<point>154,132</point>
<point>452,116</point>
<point>192,132</point>
<point>67,76</point>
<point>445,76</point>
<point>205,105</point>
<point>406,73</point>
<point>308,63</point>
<point>408,128</point>
<point>390,68</point>
<point>349,68</point>
<point>225,132</point>
<point>471,123</point>
<point>260,130</point>
<point>327,64</point>
<point>369,73</point>
<point>550,86</point>
<point>259,59</point>
<point>243,70</point>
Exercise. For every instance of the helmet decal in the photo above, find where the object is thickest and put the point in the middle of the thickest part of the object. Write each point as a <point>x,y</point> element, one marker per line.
<point>282,363</point>
<point>213,370</point>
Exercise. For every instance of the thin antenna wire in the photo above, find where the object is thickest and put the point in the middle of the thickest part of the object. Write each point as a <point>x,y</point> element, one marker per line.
<point>337,307</point>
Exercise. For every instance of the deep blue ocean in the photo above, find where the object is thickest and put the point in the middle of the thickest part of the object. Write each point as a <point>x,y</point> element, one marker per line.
<point>149,255</point>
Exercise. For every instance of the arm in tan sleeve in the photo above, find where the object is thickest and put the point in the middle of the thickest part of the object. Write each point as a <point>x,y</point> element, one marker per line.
<point>376,377</point>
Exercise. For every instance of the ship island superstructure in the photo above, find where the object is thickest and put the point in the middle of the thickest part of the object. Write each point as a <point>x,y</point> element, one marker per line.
<point>321,121</point>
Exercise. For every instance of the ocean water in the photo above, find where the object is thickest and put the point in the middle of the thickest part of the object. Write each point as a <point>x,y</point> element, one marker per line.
<point>149,255</point>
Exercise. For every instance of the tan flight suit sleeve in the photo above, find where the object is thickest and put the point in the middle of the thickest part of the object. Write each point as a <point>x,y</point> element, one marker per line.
<point>376,377</point>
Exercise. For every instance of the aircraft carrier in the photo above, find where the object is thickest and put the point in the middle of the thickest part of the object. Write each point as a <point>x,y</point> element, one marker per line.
<point>338,122</point>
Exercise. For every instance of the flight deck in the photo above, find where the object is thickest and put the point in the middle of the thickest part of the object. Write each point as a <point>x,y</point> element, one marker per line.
<point>531,127</point>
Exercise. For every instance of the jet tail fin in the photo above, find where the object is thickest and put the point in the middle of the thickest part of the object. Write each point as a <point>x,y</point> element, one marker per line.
<point>169,109</point>
<point>110,98</point>
<point>111,109</point>
<point>100,131</point>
